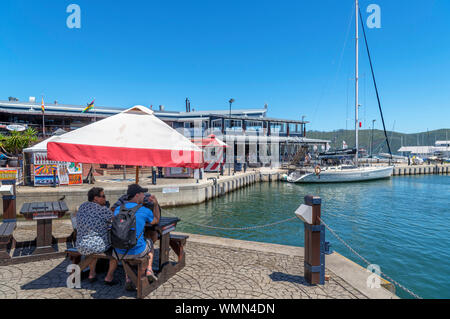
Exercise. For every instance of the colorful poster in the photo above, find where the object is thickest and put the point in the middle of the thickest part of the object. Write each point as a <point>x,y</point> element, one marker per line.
<point>75,168</point>
<point>7,174</point>
<point>63,174</point>
<point>75,179</point>
<point>43,175</point>
<point>45,170</point>
<point>44,180</point>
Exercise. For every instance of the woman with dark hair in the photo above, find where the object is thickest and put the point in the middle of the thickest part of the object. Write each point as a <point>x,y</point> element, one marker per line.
<point>93,221</point>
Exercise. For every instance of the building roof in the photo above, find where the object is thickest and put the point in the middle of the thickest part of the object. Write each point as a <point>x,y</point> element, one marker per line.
<point>34,108</point>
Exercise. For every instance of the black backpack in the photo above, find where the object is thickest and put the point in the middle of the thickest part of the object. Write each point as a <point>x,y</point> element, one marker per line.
<point>123,229</point>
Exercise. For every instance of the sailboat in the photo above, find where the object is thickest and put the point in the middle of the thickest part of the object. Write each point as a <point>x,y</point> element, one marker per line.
<point>347,173</point>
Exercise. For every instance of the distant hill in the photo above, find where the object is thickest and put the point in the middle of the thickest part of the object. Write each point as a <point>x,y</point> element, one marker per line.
<point>396,139</point>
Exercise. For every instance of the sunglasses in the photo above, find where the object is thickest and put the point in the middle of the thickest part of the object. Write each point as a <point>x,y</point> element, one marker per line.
<point>102,196</point>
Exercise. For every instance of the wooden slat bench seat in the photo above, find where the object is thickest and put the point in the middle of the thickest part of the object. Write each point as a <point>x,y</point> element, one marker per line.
<point>6,237</point>
<point>132,267</point>
<point>177,243</point>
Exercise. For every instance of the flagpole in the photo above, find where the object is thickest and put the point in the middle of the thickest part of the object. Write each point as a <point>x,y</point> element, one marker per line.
<point>43,117</point>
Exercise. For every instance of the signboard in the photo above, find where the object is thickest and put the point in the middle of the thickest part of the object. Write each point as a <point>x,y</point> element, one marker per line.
<point>7,174</point>
<point>178,172</point>
<point>170,190</point>
<point>16,127</point>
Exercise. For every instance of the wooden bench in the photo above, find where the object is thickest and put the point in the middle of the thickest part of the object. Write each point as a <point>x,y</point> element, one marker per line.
<point>133,267</point>
<point>6,237</point>
<point>177,243</point>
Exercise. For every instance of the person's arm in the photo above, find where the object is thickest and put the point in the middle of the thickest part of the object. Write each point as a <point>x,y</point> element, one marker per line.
<point>156,212</point>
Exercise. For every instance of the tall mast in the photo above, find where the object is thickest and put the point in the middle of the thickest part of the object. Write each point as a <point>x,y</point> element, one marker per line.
<point>356,83</point>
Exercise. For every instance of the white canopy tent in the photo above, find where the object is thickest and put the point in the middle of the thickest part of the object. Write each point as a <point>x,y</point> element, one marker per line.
<point>40,147</point>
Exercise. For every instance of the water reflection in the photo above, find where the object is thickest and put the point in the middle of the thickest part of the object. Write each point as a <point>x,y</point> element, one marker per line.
<point>402,224</point>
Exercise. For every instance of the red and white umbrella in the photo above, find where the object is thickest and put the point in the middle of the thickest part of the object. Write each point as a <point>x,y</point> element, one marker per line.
<point>134,137</point>
<point>210,141</point>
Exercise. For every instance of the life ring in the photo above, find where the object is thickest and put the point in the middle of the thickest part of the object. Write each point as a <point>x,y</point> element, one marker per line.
<point>317,170</point>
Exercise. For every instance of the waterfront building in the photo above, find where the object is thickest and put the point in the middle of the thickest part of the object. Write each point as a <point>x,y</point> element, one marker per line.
<point>440,149</point>
<point>244,129</point>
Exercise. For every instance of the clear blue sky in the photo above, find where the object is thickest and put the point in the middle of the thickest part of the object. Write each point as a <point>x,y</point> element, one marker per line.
<point>284,53</point>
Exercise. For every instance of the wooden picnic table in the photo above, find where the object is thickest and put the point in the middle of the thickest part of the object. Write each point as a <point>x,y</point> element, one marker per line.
<point>44,213</point>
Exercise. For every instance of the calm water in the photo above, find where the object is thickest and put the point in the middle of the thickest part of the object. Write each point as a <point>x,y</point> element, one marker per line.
<point>401,224</point>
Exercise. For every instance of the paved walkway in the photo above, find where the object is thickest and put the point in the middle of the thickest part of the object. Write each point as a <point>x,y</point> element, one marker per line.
<point>212,271</point>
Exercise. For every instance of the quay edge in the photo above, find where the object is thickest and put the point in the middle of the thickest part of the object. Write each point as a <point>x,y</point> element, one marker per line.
<point>188,194</point>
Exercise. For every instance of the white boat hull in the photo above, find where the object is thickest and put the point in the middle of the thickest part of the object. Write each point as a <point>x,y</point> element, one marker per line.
<point>344,175</point>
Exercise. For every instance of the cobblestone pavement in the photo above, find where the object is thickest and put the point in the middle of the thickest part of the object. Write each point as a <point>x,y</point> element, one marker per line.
<point>211,272</point>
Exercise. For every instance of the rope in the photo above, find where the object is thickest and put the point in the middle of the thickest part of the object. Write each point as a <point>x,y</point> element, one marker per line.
<point>369,263</point>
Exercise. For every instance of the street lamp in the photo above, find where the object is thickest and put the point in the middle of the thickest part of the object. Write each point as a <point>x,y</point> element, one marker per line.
<point>304,125</point>
<point>231,101</point>
<point>371,144</point>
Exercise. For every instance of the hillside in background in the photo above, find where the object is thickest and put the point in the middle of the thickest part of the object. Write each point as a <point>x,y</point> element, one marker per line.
<point>396,139</point>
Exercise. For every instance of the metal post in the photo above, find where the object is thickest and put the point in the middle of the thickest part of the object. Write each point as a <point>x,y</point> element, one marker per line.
<point>153,176</point>
<point>314,244</point>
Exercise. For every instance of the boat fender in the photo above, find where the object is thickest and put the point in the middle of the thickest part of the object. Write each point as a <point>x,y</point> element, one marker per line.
<point>317,170</point>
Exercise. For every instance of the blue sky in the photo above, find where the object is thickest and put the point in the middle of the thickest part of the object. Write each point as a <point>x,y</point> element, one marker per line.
<point>293,55</point>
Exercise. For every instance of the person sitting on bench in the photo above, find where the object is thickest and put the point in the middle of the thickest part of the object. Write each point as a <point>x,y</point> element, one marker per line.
<point>144,247</point>
<point>93,221</point>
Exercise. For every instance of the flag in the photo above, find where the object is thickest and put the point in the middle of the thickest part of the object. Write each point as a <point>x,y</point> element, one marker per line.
<point>89,107</point>
<point>43,106</point>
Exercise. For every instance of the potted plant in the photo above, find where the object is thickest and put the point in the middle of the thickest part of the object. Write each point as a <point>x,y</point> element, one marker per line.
<point>13,145</point>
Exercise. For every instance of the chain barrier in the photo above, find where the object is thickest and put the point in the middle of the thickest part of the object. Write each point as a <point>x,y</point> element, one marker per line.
<point>238,228</point>
<point>295,218</point>
<point>369,263</point>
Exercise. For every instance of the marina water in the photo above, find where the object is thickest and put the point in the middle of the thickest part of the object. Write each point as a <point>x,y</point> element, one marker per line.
<point>401,224</point>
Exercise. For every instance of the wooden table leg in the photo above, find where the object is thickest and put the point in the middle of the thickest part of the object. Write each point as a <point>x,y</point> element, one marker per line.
<point>164,250</point>
<point>44,237</point>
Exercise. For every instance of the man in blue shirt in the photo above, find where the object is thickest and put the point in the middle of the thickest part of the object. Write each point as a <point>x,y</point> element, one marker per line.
<point>144,247</point>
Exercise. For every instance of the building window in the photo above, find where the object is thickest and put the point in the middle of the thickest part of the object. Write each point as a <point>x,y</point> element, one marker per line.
<point>254,125</point>
<point>278,127</point>
<point>236,125</point>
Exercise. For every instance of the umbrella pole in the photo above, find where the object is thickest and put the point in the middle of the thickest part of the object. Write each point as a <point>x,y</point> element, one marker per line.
<point>137,174</point>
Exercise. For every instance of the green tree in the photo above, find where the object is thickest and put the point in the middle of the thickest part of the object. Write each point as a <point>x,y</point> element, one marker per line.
<point>16,142</point>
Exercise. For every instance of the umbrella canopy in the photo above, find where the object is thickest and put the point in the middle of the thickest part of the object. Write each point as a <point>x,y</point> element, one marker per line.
<point>210,141</point>
<point>133,137</point>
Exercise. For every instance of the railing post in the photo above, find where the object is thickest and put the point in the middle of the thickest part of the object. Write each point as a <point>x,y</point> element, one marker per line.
<point>314,244</point>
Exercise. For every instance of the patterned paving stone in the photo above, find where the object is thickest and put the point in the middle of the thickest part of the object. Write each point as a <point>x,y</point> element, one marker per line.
<point>211,272</point>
